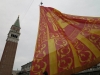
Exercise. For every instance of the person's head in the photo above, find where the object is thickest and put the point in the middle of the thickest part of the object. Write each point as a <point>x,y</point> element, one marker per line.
<point>45,73</point>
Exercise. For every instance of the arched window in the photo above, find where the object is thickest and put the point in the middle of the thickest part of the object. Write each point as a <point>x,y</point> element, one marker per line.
<point>15,36</point>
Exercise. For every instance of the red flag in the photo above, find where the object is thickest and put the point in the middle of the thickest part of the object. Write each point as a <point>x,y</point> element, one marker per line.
<point>66,44</point>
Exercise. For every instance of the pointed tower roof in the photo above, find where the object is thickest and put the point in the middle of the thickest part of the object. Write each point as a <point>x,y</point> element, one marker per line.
<point>17,22</point>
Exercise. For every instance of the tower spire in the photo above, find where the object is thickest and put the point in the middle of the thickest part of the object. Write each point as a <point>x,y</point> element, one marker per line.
<point>17,23</point>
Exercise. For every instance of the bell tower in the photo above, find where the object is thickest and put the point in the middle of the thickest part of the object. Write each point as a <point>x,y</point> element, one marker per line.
<point>8,56</point>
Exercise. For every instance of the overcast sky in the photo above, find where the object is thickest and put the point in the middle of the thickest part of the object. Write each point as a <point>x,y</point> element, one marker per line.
<point>29,21</point>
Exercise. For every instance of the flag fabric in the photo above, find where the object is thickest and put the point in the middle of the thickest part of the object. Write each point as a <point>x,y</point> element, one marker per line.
<point>66,44</point>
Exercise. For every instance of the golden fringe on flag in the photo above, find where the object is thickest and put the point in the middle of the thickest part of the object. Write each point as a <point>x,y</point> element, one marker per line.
<point>66,44</point>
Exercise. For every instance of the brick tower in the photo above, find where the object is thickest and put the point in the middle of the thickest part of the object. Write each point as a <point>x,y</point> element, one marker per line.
<point>8,56</point>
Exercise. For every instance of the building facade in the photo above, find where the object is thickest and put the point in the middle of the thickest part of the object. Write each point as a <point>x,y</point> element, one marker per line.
<point>8,56</point>
<point>95,70</point>
<point>25,69</point>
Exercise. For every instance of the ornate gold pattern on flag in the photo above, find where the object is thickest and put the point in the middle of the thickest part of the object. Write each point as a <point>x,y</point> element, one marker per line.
<point>66,44</point>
